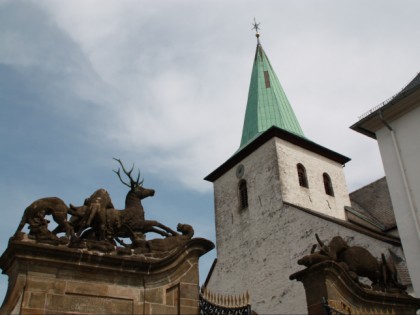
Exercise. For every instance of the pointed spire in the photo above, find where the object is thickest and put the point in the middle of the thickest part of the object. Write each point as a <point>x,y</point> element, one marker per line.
<point>267,104</point>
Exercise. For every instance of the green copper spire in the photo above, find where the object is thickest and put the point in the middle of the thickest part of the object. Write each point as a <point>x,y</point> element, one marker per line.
<point>267,104</point>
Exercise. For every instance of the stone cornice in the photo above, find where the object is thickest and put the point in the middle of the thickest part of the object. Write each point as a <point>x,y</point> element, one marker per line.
<point>27,250</point>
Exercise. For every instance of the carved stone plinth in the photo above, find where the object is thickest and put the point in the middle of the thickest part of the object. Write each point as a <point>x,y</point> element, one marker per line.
<point>47,279</point>
<point>330,290</point>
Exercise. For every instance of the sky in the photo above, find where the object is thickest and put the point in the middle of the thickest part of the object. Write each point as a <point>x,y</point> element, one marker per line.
<point>164,85</point>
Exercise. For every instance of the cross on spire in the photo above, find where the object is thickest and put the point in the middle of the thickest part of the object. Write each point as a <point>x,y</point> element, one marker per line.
<point>256,27</point>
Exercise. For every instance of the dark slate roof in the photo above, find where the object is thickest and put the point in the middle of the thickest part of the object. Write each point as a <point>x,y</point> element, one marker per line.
<point>413,84</point>
<point>388,238</point>
<point>363,215</point>
<point>268,135</point>
<point>373,201</point>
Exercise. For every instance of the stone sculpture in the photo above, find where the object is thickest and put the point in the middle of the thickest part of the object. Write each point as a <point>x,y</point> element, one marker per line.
<point>357,261</point>
<point>156,247</point>
<point>97,225</point>
<point>35,213</point>
<point>93,206</point>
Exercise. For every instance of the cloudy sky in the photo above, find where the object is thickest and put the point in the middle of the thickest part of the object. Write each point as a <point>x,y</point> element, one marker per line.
<point>164,84</point>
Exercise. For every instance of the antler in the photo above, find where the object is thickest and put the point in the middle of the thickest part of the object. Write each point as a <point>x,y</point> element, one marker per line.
<point>321,244</point>
<point>133,183</point>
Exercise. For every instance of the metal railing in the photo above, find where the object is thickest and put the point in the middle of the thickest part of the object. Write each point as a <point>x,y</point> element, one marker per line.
<point>386,101</point>
<point>217,304</point>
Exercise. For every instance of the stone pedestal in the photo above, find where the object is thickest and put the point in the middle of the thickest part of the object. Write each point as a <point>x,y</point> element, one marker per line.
<point>47,279</point>
<point>330,290</point>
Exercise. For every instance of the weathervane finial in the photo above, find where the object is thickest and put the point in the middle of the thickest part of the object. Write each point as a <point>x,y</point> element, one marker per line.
<point>256,27</point>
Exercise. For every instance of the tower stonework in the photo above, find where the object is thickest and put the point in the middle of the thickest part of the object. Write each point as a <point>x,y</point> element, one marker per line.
<point>272,196</point>
<point>313,197</point>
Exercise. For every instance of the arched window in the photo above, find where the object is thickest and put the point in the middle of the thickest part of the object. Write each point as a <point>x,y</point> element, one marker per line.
<point>328,184</point>
<point>303,179</point>
<point>243,194</point>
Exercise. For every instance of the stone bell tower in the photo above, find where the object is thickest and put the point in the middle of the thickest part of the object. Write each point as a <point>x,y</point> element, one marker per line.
<point>275,171</point>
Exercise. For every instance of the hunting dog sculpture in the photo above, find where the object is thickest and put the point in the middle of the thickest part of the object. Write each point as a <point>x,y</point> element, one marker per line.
<point>34,216</point>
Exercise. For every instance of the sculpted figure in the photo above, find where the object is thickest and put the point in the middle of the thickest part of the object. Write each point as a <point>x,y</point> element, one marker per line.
<point>35,213</point>
<point>389,279</point>
<point>94,207</point>
<point>172,242</point>
<point>139,244</point>
<point>357,261</point>
<point>360,261</point>
<point>97,225</point>
<point>132,216</point>
<point>107,223</point>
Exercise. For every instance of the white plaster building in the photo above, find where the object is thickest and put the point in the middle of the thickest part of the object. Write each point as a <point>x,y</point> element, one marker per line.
<point>396,126</point>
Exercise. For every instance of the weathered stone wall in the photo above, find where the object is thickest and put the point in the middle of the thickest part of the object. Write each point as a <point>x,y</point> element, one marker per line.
<point>46,279</point>
<point>313,197</point>
<point>264,257</point>
<point>258,247</point>
<point>328,285</point>
<point>264,196</point>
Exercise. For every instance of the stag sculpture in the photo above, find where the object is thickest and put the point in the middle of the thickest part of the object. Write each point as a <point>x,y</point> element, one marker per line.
<point>109,223</point>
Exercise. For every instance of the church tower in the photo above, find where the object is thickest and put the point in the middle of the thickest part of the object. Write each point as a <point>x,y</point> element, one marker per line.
<point>294,169</point>
<point>263,194</point>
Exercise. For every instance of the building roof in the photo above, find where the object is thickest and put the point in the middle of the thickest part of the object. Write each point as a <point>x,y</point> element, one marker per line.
<point>266,136</point>
<point>267,104</point>
<point>356,214</point>
<point>399,104</point>
<point>372,203</point>
<point>379,235</point>
<point>415,83</point>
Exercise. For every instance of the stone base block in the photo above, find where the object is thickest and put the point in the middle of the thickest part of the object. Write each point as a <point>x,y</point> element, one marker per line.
<point>330,290</point>
<point>47,279</point>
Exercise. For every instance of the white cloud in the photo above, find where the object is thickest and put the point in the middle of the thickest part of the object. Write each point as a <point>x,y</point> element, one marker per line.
<point>170,80</point>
